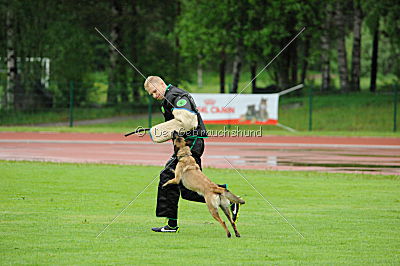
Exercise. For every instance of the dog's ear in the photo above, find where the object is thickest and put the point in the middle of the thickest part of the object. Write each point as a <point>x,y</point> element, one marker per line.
<point>175,134</point>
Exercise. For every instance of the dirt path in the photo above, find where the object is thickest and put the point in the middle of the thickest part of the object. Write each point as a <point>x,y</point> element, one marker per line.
<point>329,154</point>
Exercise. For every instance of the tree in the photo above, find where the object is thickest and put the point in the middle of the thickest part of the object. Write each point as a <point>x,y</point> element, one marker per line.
<point>255,37</point>
<point>222,69</point>
<point>239,30</point>
<point>341,46</point>
<point>26,40</point>
<point>283,20</point>
<point>134,39</point>
<point>374,57</point>
<point>372,19</point>
<point>115,38</point>
<point>356,54</point>
<point>12,70</point>
<point>326,40</point>
<point>391,30</point>
<point>209,36</point>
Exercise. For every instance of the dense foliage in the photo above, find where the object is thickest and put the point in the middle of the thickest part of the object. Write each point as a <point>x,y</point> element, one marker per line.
<point>179,39</point>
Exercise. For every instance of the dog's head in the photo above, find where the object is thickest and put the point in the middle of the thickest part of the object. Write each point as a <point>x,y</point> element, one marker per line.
<point>180,142</point>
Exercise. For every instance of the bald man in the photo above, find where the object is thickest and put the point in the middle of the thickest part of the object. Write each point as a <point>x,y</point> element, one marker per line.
<point>181,115</point>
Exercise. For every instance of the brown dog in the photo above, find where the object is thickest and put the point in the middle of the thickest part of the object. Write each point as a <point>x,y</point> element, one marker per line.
<point>188,172</point>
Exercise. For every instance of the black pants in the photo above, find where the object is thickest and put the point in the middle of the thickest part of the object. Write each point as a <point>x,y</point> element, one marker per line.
<point>168,196</point>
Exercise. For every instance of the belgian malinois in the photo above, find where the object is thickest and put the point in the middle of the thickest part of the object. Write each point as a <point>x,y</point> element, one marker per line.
<point>188,172</point>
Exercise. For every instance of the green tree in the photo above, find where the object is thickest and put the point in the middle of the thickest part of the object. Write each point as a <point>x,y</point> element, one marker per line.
<point>391,30</point>
<point>206,39</point>
<point>372,21</point>
<point>356,53</point>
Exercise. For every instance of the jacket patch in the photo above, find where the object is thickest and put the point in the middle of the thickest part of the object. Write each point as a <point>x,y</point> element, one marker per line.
<point>181,103</point>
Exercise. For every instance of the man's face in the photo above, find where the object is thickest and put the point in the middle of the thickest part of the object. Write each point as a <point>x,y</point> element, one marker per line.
<point>157,91</point>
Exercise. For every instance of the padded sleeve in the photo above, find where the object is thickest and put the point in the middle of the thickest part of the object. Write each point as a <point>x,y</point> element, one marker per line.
<point>184,120</point>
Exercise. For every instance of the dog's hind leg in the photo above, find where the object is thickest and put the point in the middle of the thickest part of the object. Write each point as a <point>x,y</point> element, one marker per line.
<point>225,209</point>
<point>214,212</point>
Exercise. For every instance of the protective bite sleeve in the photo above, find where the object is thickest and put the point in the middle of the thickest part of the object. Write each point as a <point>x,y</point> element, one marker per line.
<point>184,120</point>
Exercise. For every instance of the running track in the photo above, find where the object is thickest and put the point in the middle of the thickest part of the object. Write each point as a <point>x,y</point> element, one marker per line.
<point>328,154</point>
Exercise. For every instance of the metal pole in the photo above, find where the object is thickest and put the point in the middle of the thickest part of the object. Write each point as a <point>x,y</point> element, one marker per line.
<point>150,109</point>
<point>395,109</point>
<point>71,104</point>
<point>291,89</point>
<point>310,109</point>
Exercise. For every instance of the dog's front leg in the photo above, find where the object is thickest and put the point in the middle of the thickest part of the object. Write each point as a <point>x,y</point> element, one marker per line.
<point>171,181</point>
<point>178,173</point>
<point>177,178</point>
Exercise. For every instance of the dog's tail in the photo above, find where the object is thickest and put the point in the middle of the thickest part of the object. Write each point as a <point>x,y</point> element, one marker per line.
<point>232,197</point>
<point>229,195</point>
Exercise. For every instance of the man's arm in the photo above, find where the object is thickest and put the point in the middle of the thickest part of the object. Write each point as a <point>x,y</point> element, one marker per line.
<point>185,119</point>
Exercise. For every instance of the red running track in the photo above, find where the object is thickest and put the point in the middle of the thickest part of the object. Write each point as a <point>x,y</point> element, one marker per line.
<point>328,154</point>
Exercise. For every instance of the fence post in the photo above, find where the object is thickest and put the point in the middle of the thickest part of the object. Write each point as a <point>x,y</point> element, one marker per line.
<point>310,96</point>
<point>150,109</point>
<point>71,104</point>
<point>395,108</point>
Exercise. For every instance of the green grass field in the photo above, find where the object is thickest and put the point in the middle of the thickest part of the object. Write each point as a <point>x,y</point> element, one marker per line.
<point>51,214</point>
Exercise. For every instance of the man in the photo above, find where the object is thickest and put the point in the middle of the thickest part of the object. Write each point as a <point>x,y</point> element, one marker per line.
<point>181,115</point>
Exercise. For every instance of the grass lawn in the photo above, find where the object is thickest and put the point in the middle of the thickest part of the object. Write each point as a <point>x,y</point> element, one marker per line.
<point>51,214</point>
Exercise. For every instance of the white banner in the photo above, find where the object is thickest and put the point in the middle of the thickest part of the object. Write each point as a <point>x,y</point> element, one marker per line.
<point>244,109</point>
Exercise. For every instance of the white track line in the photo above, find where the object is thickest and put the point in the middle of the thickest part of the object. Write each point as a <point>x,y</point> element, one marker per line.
<point>301,145</point>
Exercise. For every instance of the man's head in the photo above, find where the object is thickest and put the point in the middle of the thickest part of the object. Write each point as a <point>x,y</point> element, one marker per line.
<point>155,86</point>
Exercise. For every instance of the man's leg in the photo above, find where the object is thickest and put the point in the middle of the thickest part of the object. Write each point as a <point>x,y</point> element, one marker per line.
<point>168,198</point>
